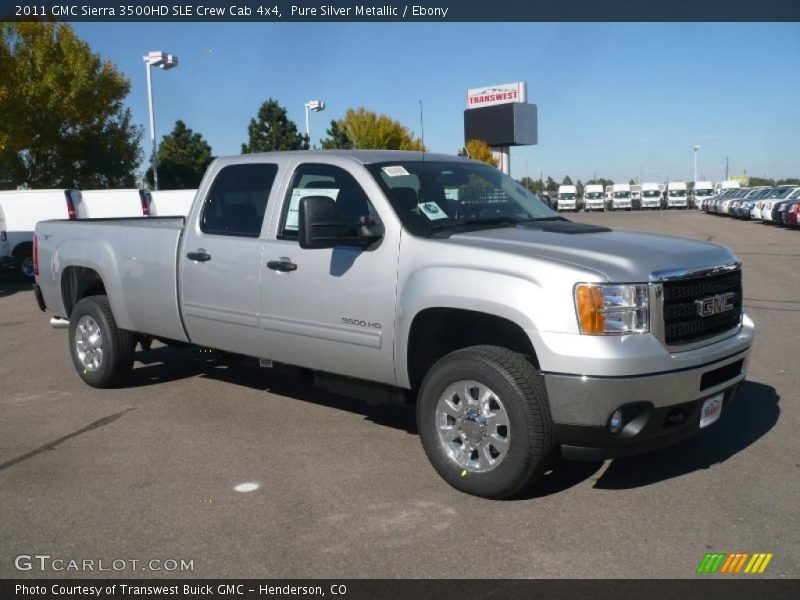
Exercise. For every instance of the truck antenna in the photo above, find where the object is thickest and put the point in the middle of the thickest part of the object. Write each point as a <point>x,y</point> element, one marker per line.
<point>422,139</point>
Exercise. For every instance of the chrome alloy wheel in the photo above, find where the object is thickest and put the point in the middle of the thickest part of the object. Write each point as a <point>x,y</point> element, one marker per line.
<point>89,343</point>
<point>473,426</point>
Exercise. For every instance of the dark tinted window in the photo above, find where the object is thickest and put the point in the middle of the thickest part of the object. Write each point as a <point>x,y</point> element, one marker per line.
<point>237,200</point>
<point>325,180</point>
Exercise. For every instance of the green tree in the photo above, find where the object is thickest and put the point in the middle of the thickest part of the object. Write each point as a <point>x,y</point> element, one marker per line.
<point>183,156</point>
<point>480,150</point>
<point>273,130</point>
<point>550,184</point>
<point>567,180</point>
<point>63,121</point>
<point>337,137</point>
<point>632,182</point>
<point>787,181</point>
<point>371,131</point>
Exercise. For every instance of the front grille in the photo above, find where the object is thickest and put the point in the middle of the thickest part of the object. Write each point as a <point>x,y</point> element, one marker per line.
<point>683,323</point>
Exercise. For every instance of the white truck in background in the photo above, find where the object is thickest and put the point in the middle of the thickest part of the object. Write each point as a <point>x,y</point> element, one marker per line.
<point>170,203</point>
<point>702,192</point>
<point>567,198</point>
<point>620,197</point>
<point>22,209</point>
<point>593,197</point>
<point>677,195</point>
<point>721,186</point>
<point>651,196</point>
<point>636,197</point>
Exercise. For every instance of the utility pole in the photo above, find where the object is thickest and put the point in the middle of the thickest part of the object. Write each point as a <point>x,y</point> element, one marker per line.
<point>726,168</point>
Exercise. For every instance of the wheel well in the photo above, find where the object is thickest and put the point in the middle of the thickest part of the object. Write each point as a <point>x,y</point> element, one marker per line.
<point>436,332</point>
<point>23,249</point>
<point>77,283</point>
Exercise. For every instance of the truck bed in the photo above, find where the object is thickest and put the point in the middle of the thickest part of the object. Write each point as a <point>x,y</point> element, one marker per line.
<point>136,258</point>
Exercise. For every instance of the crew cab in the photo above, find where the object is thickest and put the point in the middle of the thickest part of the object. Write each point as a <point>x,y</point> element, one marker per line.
<point>521,337</point>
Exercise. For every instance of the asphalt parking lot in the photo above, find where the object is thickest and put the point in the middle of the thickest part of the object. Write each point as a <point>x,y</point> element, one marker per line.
<point>344,490</point>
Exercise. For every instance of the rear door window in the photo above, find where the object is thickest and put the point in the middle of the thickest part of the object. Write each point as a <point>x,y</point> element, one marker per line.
<point>237,201</point>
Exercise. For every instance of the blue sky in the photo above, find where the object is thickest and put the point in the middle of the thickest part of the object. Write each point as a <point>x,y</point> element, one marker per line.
<point>619,100</point>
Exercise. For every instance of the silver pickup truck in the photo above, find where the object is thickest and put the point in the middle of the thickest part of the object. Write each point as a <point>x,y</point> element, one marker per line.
<point>397,276</point>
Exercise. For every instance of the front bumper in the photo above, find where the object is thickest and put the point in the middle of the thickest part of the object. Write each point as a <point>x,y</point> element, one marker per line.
<point>661,408</point>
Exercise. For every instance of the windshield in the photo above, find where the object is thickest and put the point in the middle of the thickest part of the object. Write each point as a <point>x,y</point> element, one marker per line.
<point>703,192</point>
<point>566,196</point>
<point>622,194</point>
<point>434,195</point>
<point>677,193</point>
<point>782,193</point>
<point>594,195</point>
<point>651,193</point>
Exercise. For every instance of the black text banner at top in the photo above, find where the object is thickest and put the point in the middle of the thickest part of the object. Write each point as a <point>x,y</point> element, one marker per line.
<point>394,11</point>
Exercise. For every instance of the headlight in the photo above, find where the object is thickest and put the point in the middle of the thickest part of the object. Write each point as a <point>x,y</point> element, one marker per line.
<point>612,308</point>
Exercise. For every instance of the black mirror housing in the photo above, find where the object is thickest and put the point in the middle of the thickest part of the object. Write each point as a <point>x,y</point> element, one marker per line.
<point>317,222</point>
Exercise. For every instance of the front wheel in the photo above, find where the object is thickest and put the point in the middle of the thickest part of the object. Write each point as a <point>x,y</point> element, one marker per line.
<point>24,267</point>
<point>484,421</point>
<point>101,352</point>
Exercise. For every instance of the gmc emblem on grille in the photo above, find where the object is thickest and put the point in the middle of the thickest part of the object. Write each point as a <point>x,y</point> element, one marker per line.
<point>714,305</point>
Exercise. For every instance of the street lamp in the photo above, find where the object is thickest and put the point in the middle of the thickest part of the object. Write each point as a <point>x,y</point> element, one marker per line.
<point>164,61</point>
<point>316,106</point>
<point>696,148</point>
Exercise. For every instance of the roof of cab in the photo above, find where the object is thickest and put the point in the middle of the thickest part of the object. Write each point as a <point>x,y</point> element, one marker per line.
<point>365,157</point>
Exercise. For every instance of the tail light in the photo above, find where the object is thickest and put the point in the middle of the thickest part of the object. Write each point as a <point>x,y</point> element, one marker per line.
<point>35,255</point>
<point>144,198</point>
<point>71,210</point>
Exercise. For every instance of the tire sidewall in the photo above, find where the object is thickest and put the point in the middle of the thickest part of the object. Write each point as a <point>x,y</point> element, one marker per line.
<point>100,377</point>
<point>516,462</point>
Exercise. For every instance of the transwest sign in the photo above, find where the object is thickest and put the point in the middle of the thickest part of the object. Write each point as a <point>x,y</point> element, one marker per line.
<point>497,94</point>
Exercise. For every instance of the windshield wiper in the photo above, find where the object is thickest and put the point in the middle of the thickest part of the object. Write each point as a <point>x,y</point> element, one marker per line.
<point>504,221</point>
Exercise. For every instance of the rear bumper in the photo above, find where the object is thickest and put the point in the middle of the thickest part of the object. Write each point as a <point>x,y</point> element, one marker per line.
<point>659,408</point>
<point>7,261</point>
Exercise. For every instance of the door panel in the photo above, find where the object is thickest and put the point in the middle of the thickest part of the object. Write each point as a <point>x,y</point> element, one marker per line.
<point>335,311</point>
<point>220,261</point>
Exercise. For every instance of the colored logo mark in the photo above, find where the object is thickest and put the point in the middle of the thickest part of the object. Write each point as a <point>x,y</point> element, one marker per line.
<point>736,562</point>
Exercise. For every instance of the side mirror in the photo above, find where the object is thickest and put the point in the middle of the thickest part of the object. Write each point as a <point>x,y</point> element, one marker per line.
<point>317,222</point>
<point>319,227</point>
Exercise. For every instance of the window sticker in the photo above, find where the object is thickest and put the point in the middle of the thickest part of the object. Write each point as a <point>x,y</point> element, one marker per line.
<point>395,171</point>
<point>292,215</point>
<point>431,210</point>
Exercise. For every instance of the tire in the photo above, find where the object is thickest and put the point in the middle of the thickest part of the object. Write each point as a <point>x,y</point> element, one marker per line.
<point>92,321</point>
<point>24,265</point>
<point>516,394</point>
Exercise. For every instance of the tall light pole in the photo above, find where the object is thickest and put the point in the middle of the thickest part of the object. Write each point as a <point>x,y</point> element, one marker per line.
<point>696,148</point>
<point>316,106</point>
<point>164,61</point>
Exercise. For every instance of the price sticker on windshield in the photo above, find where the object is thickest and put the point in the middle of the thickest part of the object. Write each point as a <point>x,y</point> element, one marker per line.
<point>395,171</point>
<point>431,210</point>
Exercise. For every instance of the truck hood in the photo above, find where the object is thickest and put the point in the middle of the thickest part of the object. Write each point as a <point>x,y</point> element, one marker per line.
<point>620,256</point>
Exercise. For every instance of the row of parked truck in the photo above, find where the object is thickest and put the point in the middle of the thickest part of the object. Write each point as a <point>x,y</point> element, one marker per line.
<point>779,205</point>
<point>624,196</point>
<point>20,210</point>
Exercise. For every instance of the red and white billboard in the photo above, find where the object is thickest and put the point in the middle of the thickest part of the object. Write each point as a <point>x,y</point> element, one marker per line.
<point>497,94</point>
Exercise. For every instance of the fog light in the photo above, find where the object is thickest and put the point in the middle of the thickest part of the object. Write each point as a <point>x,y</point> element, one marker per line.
<point>615,422</point>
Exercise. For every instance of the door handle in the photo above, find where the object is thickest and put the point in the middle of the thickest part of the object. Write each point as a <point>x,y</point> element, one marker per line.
<point>199,255</point>
<point>284,265</point>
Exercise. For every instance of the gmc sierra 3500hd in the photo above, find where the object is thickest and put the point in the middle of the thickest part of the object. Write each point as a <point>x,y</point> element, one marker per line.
<point>522,336</point>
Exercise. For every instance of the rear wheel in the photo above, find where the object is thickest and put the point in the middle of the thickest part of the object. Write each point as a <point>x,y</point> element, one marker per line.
<point>24,266</point>
<point>101,352</point>
<point>484,421</point>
